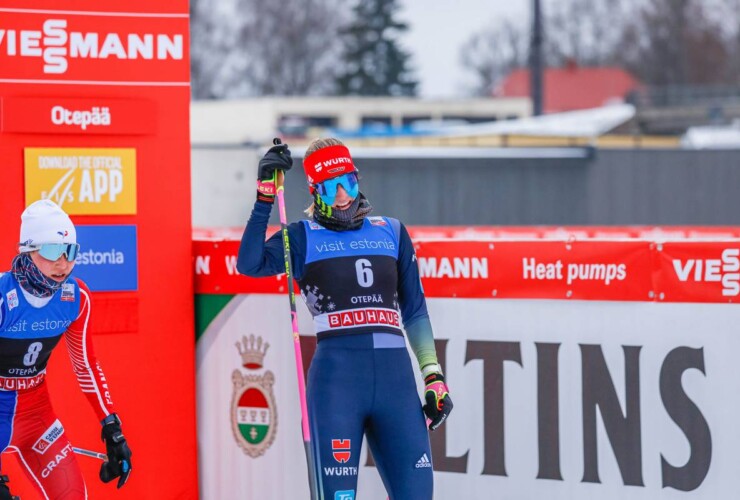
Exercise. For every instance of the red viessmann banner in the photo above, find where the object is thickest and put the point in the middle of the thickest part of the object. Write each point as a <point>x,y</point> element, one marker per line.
<point>93,47</point>
<point>698,271</point>
<point>649,233</point>
<point>632,270</point>
<point>584,270</point>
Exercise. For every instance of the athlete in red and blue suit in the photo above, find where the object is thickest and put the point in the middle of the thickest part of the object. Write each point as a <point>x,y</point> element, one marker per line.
<point>360,280</point>
<point>39,304</point>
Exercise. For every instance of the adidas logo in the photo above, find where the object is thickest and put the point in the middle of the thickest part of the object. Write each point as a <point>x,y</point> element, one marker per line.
<point>423,462</point>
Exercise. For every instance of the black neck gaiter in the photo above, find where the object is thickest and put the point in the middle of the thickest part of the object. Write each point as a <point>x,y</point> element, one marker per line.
<point>341,220</point>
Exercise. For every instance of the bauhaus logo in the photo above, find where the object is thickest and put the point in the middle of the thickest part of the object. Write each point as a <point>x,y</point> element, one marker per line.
<point>724,271</point>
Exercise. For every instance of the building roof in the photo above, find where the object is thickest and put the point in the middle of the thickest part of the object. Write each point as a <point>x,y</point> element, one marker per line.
<point>572,87</point>
<point>580,123</point>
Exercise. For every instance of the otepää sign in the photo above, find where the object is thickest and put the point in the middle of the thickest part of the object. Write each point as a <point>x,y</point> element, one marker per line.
<point>89,181</point>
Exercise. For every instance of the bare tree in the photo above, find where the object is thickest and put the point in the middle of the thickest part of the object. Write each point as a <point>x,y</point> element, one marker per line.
<point>672,42</point>
<point>262,47</point>
<point>726,14</point>
<point>491,54</point>
<point>662,42</point>
<point>209,47</point>
<point>585,31</point>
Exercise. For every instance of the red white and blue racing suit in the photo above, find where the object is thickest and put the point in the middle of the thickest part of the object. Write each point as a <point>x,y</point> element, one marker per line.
<point>30,328</point>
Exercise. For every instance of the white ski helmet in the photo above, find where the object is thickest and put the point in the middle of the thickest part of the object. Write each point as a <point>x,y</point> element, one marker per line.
<point>44,221</point>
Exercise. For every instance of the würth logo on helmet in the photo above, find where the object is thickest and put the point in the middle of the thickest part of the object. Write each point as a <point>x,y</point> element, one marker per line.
<point>340,448</point>
<point>327,163</point>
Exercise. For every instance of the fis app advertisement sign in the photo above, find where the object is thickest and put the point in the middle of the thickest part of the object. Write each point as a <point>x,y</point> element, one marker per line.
<point>93,181</point>
<point>108,259</point>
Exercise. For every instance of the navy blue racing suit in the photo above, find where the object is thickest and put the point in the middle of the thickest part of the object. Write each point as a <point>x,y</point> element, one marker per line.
<point>363,290</point>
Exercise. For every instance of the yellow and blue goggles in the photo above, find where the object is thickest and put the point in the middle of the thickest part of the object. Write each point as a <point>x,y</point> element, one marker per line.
<point>54,251</point>
<point>328,189</point>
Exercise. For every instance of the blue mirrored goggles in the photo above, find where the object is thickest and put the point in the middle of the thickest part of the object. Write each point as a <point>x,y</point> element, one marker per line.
<point>328,189</point>
<point>54,251</point>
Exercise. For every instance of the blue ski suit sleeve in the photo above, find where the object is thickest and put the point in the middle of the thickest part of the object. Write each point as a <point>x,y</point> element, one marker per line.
<point>413,303</point>
<point>258,258</point>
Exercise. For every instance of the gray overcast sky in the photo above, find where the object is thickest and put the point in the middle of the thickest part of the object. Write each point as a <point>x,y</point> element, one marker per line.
<point>437,30</point>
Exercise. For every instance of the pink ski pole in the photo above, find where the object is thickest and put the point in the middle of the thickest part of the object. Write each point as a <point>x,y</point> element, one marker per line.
<point>313,482</point>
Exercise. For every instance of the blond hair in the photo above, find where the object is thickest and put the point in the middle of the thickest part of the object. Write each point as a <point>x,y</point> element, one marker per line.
<point>315,145</point>
<point>321,143</point>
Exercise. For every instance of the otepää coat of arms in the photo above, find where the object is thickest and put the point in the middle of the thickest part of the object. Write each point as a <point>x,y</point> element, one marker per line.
<point>253,408</point>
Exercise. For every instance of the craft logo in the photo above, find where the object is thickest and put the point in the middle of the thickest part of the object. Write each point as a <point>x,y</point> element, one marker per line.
<point>95,181</point>
<point>341,449</point>
<point>55,45</point>
<point>253,408</point>
<point>49,437</point>
<point>58,458</point>
<point>725,270</point>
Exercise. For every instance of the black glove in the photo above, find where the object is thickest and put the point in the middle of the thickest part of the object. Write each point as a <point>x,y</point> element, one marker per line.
<point>277,158</point>
<point>119,454</point>
<point>4,490</point>
<point>438,403</point>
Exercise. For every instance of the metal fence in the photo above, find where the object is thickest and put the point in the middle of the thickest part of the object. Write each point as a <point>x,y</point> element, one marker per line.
<point>591,187</point>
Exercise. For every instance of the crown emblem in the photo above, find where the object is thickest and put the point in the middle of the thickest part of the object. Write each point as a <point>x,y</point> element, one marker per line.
<point>252,351</point>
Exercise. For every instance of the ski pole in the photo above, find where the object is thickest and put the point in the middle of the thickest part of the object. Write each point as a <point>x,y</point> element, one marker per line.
<point>93,454</point>
<point>313,482</point>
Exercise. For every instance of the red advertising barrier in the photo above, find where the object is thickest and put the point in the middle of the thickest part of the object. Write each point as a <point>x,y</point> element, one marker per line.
<point>630,270</point>
<point>650,233</point>
<point>536,270</point>
<point>107,84</point>
<point>697,272</point>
